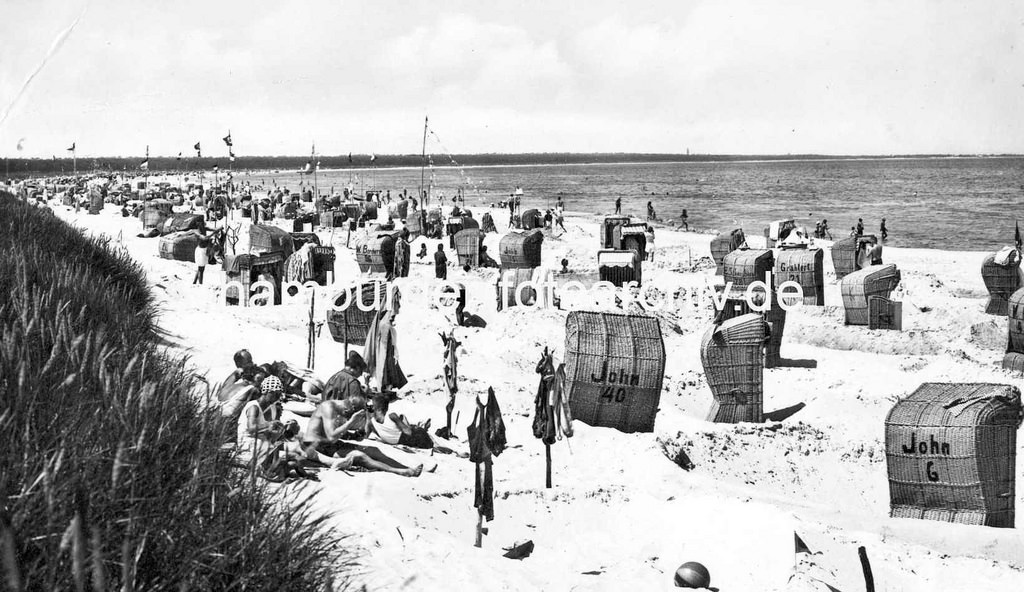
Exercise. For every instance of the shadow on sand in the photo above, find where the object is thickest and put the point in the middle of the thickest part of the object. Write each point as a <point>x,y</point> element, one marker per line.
<point>784,413</point>
<point>787,363</point>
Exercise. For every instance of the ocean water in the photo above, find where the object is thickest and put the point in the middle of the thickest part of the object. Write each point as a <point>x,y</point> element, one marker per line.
<point>943,203</point>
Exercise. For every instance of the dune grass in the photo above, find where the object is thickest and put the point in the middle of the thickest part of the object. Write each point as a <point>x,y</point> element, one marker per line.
<point>112,475</point>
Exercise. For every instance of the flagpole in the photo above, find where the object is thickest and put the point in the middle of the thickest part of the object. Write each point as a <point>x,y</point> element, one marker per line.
<point>316,186</point>
<point>423,161</point>
<point>231,169</point>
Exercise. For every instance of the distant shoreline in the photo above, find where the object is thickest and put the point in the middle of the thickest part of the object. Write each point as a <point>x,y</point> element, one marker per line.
<point>290,165</point>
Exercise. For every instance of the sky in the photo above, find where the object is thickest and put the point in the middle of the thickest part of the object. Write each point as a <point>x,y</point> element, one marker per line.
<point>709,76</point>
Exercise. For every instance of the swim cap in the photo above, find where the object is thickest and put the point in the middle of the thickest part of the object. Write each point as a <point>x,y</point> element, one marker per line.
<point>271,384</point>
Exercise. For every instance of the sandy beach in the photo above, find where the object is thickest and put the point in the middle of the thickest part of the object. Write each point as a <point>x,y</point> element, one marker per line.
<point>623,511</point>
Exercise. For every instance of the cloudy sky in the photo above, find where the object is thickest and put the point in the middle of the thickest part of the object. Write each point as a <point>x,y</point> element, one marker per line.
<point>712,76</point>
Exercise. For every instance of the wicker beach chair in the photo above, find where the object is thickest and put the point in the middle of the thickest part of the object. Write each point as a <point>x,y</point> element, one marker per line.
<point>1001,281</point>
<point>179,246</point>
<point>858,287</point>
<point>805,267</point>
<point>732,354</point>
<point>736,304</point>
<point>723,244</point>
<point>350,324</point>
<point>950,450</point>
<point>519,250</point>
<point>376,254</point>
<point>614,367</point>
<point>745,266</point>
<point>467,246</point>
<point>1014,358</point>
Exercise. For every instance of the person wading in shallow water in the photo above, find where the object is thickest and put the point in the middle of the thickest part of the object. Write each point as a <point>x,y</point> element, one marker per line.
<point>824,229</point>
<point>618,205</point>
<point>684,220</point>
<point>883,230</point>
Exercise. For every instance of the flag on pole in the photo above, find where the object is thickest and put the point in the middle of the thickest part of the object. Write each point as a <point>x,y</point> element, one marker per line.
<point>231,154</point>
<point>72,148</point>
<point>215,168</point>
<point>350,158</point>
<point>373,157</point>
<point>145,164</point>
<point>799,545</point>
<point>179,156</point>
<point>199,151</point>
<point>227,139</point>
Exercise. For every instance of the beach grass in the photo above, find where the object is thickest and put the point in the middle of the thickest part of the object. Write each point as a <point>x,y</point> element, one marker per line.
<point>112,473</point>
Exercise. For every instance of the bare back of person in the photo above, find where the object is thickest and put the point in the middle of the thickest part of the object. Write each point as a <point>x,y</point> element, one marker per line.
<point>322,440</point>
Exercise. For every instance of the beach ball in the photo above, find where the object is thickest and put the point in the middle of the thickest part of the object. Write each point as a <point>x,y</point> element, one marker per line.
<point>692,575</point>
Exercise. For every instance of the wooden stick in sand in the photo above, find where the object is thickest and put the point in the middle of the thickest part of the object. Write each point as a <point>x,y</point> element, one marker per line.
<point>311,352</point>
<point>869,579</point>
<point>547,452</point>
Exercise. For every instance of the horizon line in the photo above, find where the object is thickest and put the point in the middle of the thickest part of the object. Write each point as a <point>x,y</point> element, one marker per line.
<point>679,155</point>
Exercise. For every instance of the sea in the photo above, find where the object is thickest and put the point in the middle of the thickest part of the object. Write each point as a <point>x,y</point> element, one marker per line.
<point>942,203</point>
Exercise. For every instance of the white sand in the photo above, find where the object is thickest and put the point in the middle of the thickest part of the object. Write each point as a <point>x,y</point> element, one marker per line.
<point>620,506</point>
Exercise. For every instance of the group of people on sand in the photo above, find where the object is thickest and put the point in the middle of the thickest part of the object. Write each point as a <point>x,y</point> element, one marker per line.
<point>344,414</point>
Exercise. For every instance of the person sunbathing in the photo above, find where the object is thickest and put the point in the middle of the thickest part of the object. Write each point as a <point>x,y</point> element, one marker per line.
<point>394,428</point>
<point>334,420</point>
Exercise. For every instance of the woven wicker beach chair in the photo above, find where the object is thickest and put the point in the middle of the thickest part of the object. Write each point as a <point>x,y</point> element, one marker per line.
<point>950,450</point>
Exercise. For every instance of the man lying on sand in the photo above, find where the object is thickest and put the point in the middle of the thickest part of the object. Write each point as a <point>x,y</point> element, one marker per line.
<point>331,421</point>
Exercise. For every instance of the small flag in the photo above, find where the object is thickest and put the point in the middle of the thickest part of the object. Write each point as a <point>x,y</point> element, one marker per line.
<point>231,154</point>
<point>199,151</point>
<point>1016,235</point>
<point>145,164</point>
<point>216,168</point>
<point>373,157</point>
<point>179,156</point>
<point>800,545</point>
<point>21,144</point>
<point>72,148</point>
<point>350,158</point>
<point>227,139</point>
